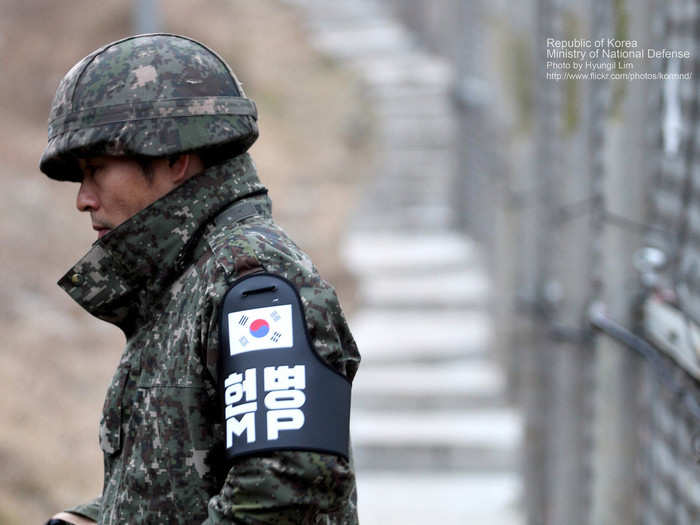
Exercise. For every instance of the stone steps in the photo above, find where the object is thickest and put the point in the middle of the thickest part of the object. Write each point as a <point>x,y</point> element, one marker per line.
<point>434,439</point>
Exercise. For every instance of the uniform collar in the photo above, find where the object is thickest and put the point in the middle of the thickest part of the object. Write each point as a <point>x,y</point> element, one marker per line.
<point>137,260</point>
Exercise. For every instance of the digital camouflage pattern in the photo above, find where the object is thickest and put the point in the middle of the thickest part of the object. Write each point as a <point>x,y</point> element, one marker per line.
<point>151,95</point>
<point>161,276</point>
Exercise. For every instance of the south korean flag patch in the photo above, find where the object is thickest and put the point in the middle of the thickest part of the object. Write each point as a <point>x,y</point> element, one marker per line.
<point>260,329</point>
<point>275,392</point>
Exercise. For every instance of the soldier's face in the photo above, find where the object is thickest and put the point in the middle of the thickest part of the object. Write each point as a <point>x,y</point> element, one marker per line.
<point>115,188</point>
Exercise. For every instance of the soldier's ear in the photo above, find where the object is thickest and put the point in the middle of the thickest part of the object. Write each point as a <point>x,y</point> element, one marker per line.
<point>177,166</point>
<point>183,166</point>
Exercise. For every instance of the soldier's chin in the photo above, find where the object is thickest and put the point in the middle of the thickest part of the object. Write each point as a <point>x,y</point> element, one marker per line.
<point>102,232</point>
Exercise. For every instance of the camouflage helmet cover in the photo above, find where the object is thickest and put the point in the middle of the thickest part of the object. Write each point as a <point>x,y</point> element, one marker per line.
<point>148,95</point>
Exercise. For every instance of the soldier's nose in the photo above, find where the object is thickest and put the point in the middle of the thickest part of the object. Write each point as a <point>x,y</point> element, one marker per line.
<point>86,200</point>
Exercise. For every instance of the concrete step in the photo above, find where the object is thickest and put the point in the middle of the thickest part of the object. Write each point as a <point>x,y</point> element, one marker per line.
<point>420,136</point>
<point>415,179</point>
<point>416,103</point>
<point>388,95</point>
<point>411,193</point>
<point>429,166</point>
<point>415,219</point>
<point>438,498</point>
<point>405,336</point>
<point>407,69</point>
<point>450,289</point>
<point>368,252</point>
<point>436,127</point>
<point>477,440</point>
<point>461,385</point>
<point>477,429</point>
<point>323,13</point>
<point>401,207</point>
<point>363,41</point>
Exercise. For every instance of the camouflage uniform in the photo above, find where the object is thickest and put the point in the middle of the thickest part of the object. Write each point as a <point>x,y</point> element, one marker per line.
<point>161,276</point>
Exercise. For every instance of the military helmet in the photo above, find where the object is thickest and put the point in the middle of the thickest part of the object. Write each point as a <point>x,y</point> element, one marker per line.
<point>148,95</point>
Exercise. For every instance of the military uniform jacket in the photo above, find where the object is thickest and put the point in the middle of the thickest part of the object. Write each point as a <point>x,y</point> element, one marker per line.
<point>160,277</point>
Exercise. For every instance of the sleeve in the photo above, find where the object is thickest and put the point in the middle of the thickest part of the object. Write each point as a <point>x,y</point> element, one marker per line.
<point>286,488</point>
<point>88,510</point>
<point>290,487</point>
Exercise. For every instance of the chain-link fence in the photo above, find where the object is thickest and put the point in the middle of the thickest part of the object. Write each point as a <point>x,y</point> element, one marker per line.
<point>581,177</point>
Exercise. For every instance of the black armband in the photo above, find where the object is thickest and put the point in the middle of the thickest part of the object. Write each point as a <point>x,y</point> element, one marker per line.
<point>276,393</point>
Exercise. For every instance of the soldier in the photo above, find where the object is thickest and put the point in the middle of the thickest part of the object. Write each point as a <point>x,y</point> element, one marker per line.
<point>231,400</point>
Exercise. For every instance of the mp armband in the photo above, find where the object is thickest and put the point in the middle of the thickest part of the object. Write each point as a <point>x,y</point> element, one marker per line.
<point>276,392</point>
